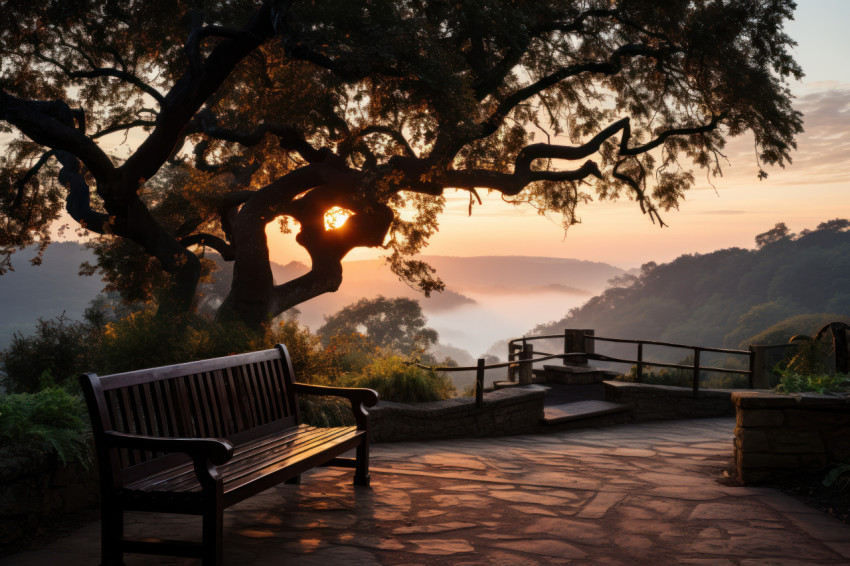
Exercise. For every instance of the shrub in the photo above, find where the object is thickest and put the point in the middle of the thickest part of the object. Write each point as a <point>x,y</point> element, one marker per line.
<point>58,350</point>
<point>793,382</point>
<point>394,380</point>
<point>147,339</point>
<point>51,419</point>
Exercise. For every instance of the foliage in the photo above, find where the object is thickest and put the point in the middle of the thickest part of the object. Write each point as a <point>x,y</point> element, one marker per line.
<point>390,324</point>
<point>793,382</point>
<point>678,377</point>
<point>395,380</point>
<point>146,339</point>
<point>838,476</point>
<point>787,328</point>
<point>326,411</point>
<point>249,113</point>
<point>58,350</point>
<point>51,419</point>
<point>733,297</point>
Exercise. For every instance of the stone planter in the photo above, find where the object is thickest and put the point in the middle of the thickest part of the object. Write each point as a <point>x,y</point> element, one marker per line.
<point>782,435</point>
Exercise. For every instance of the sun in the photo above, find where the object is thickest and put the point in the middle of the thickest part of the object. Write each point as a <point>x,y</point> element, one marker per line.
<point>336,217</point>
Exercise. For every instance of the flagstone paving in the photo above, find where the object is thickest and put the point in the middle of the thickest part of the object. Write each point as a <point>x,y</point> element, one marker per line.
<point>651,493</point>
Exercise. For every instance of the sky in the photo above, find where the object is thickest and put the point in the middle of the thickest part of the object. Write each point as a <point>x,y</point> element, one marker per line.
<point>727,212</point>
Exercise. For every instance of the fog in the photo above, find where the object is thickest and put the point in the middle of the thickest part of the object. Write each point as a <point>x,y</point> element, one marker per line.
<point>497,317</point>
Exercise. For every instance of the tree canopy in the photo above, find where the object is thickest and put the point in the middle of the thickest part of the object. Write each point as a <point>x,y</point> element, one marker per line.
<point>241,113</point>
<point>393,324</point>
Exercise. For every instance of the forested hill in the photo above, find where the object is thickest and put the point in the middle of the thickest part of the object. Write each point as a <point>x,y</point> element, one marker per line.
<point>734,297</point>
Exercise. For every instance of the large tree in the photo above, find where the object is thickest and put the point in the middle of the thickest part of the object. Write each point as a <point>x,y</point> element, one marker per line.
<point>241,113</point>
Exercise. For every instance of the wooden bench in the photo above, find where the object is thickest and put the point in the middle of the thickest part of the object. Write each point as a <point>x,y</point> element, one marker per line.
<point>198,437</point>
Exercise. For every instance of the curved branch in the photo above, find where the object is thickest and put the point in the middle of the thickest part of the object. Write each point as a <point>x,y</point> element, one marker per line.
<point>289,138</point>
<point>78,201</point>
<point>51,124</point>
<point>646,205</point>
<point>32,172</point>
<point>511,184</point>
<point>391,132</point>
<point>96,72</point>
<point>122,75</point>
<point>120,127</point>
<point>223,248</point>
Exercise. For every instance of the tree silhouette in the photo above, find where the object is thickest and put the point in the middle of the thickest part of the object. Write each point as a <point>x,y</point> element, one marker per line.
<point>241,115</point>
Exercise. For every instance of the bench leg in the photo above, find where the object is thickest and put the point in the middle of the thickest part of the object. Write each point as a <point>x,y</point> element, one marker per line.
<point>111,534</point>
<point>361,470</point>
<point>213,531</point>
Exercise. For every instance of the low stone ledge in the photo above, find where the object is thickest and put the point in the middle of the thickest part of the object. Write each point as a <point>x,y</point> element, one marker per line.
<point>35,488</point>
<point>666,402</point>
<point>782,435</point>
<point>513,410</point>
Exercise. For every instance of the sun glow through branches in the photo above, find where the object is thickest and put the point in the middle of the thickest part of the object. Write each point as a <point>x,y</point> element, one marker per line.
<point>336,217</point>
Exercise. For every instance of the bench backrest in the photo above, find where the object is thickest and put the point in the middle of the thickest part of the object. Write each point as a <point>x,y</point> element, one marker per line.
<point>233,397</point>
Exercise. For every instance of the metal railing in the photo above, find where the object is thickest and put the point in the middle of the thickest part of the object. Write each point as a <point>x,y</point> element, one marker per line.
<point>579,346</point>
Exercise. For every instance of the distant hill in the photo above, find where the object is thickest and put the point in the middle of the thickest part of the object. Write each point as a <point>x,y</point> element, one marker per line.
<point>45,291</point>
<point>729,297</point>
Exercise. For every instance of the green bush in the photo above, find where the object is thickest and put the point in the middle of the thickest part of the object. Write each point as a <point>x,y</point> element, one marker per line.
<point>51,419</point>
<point>685,378</point>
<point>793,382</point>
<point>394,380</point>
<point>57,351</point>
<point>147,339</point>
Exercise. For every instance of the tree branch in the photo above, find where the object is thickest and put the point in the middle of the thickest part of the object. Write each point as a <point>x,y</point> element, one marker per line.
<point>224,249</point>
<point>391,132</point>
<point>51,124</point>
<point>78,201</point>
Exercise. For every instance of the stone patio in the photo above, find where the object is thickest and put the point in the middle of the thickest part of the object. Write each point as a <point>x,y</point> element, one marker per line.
<point>651,493</point>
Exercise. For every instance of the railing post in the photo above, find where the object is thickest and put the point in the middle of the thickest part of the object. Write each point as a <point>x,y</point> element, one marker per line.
<point>512,350</point>
<point>568,344</point>
<point>479,383</point>
<point>759,378</point>
<point>639,378</point>
<point>525,368</point>
<point>696,372</point>
<point>589,342</point>
<point>575,342</point>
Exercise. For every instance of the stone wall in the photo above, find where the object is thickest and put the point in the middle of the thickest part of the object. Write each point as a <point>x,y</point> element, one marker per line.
<point>35,489</point>
<point>665,402</point>
<point>781,435</point>
<point>511,410</point>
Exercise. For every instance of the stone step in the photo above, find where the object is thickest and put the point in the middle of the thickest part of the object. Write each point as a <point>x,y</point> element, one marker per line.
<point>587,413</point>
<point>573,374</point>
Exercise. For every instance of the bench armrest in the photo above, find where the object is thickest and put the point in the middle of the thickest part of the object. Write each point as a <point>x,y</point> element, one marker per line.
<point>216,450</point>
<point>358,396</point>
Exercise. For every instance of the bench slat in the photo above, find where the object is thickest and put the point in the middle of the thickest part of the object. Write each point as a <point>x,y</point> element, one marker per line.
<point>260,457</point>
